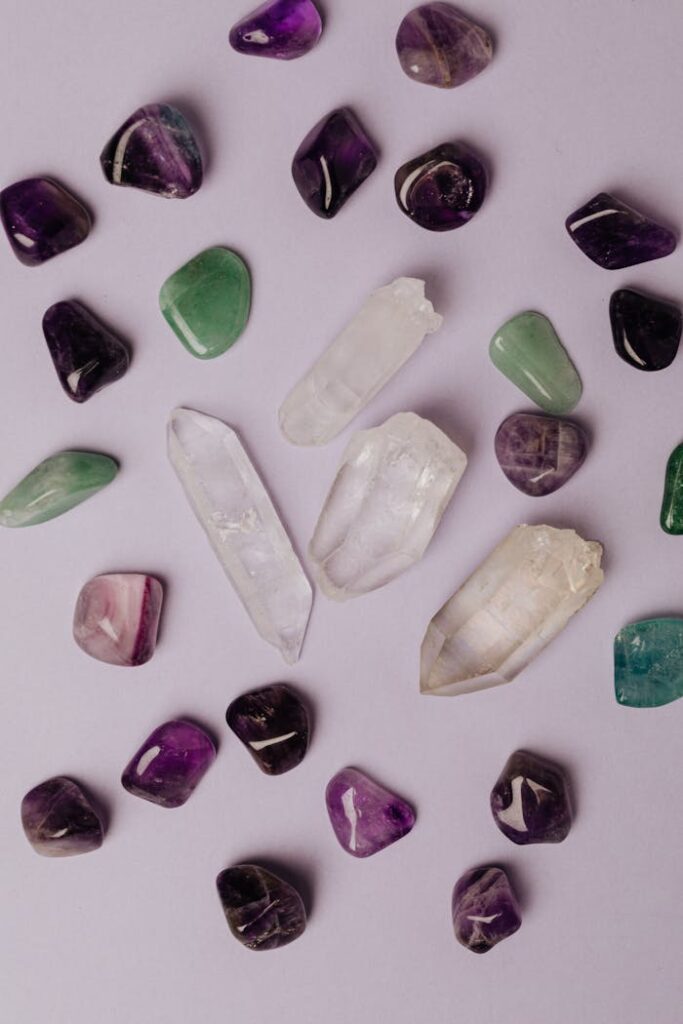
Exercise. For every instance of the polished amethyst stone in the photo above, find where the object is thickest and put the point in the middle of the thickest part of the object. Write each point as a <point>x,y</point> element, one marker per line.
<point>334,159</point>
<point>283,29</point>
<point>365,816</point>
<point>87,355</point>
<point>42,219</point>
<point>60,820</point>
<point>539,454</point>
<point>170,764</point>
<point>154,150</point>
<point>485,909</point>
<point>646,331</point>
<point>272,723</point>
<point>441,189</point>
<point>437,45</point>
<point>615,236</point>
<point>530,801</point>
<point>262,911</point>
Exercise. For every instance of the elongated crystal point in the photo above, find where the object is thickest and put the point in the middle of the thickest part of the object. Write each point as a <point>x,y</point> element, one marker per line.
<point>514,604</point>
<point>245,532</point>
<point>390,326</point>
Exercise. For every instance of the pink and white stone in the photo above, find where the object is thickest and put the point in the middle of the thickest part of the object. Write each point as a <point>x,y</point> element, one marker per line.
<point>117,618</point>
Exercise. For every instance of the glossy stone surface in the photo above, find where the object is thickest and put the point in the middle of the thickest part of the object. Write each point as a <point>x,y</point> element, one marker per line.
<point>244,530</point>
<point>262,911</point>
<point>615,236</point>
<point>56,485</point>
<point>485,909</point>
<point>530,801</point>
<point>154,150</point>
<point>42,219</point>
<point>648,663</point>
<point>207,302</point>
<point>646,331</point>
<point>671,516</point>
<point>389,327</point>
<point>273,725</point>
<point>509,609</point>
<point>117,618</point>
<point>386,502</point>
<point>441,189</point>
<point>529,353</point>
<point>170,764</point>
<point>438,45</point>
<point>60,820</point>
<point>365,816</point>
<point>539,454</point>
<point>86,355</point>
<point>333,161</point>
<point>283,29</point>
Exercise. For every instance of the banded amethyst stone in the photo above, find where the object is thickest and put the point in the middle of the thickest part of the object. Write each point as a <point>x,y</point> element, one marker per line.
<point>365,816</point>
<point>86,355</point>
<point>262,911</point>
<point>646,331</point>
<point>539,454</point>
<point>117,618</point>
<point>283,29</point>
<point>333,161</point>
<point>170,764</point>
<point>42,219</point>
<point>437,45</point>
<point>485,909</point>
<point>59,819</point>
<point>273,725</point>
<point>615,236</point>
<point>441,189</point>
<point>530,801</point>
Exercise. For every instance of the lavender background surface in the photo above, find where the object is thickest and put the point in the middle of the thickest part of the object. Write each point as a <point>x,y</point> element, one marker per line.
<point>581,96</point>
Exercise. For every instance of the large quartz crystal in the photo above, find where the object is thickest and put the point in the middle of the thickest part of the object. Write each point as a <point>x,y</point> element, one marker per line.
<point>518,599</point>
<point>386,331</point>
<point>233,506</point>
<point>385,504</point>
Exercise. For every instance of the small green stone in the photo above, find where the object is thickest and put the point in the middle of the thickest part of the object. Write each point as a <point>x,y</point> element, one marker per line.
<point>672,503</point>
<point>56,485</point>
<point>648,663</point>
<point>528,352</point>
<point>207,301</point>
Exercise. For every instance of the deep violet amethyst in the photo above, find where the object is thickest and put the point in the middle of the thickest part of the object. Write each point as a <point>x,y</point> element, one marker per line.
<point>42,219</point>
<point>86,355</point>
<point>530,801</point>
<point>485,909</point>
<point>437,45</point>
<point>60,820</point>
<point>333,161</point>
<point>646,331</point>
<point>262,911</point>
<point>283,29</point>
<point>170,764</point>
<point>273,725</point>
<point>615,236</point>
<point>539,454</point>
<point>365,816</point>
<point>442,189</point>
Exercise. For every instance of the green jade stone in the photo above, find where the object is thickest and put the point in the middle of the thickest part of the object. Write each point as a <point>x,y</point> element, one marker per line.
<point>672,503</point>
<point>648,663</point>
<point>207,302</point>
<point>55,486</point>
<point>528,352</point>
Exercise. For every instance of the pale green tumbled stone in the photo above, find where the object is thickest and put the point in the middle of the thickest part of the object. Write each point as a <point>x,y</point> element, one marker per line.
<point>528,352</point>
<point>648,663</point>
<point>55,486</point>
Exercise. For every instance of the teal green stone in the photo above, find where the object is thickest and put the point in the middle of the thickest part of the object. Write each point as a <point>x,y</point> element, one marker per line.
<point>528,352</point>
<point>207,302</point>
<point>648,663</point>
<point>671,517</point>
<point>56,485</point>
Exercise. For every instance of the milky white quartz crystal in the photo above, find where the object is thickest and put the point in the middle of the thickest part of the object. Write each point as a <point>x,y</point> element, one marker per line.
<point>233,506</point>
<point>385,504</point>
<point>388,329</point>
<point>521,597</point>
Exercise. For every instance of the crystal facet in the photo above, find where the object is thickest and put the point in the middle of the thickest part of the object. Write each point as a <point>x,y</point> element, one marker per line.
<point>365,816</point>
<point>154,150</point>
<point>86,355</point>
<point>170,764</point>
<point>42,219</point>
<point>511,607</point>
<point>284,29</point>
<point>385,504</point>
<point>247,536</point>
<point>529,353</point>
<point>117,617</point>
<point>333,161</point>
<point>60,820</point>
<point>437,45</point>
<point>485,909</point>
<point>442,189</point>
<point>539,454</point>
<point>262,911</point>
<point>671,516</point>
<point>615,236</point>
<point>56,485</point>
<point>648,663</point>
<point>646,331</point>
<point>386,331</point>
<point>273,725</point>
<point>530,801</point>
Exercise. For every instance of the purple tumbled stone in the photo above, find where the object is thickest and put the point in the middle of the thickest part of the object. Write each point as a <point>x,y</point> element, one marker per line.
<point>262,911</point>
<point>485,909</point>
<point>615,236</point>
<point>60,820</point>
<point>334,159</point>
<point>170,764</point>
<point>365,816</point>
<point>283,29</point>
<point>437,45</point>
<point>86,355</point>
<point>539,454</point>
<point>530,801</point>
<point>42,219</point>
<point>273,725</point>
<point>117,618</point>
<point>441,189</point>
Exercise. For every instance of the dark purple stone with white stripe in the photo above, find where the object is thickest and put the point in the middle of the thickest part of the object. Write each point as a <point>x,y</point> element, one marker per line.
<point>615,236</point>
<point>282,29</point>
<point>442,189</point>
<point>273,725</point>
<point>485,909</point>
<point>42,219</point>
<point>365,816</point>
<point>60,820</point>
<point>86,355</point>
<point>539,454</point>
<point>332,162</point>
<point>530,801</point>
<point>262,911</point>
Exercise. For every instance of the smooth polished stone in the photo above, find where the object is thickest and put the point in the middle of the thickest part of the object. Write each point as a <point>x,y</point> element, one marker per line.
<point>243,527</point>
<point>117,618</point>
<point>170,764</point>
<point>60,820</point>
<point>529,353</point>
<point>56,485</point>
<point>365,816</point>
<point>530,801</point>
<point>273,725</point>
<point>333,161</point>
<point>42,219</point>
<point>615,236</point>
<point>86,355</point>
<point>262,911</point>
<point>283,29</point>
<point>485,909</point>
<point>646,331</point>
<point>509,609</point>
<point>648,663</point>
<point>539,454</point>
<point>389,327</point>
<point>154,150</point>
<point>437,45</point>
<point>207,302</point>
<point>442,189</point>
<point>671,516</point>
<point>386,502</point>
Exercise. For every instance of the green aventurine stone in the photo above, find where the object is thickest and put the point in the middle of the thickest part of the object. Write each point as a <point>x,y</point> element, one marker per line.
<point>56,485</point>
<point>528,352</point>
<point>648,663</point>
<point>672,503</point>
<point>207,302</point>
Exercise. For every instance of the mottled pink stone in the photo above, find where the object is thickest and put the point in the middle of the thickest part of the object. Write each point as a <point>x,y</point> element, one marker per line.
<point>117,617</point>
<point>170,764</point>
<point>365,816</point>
